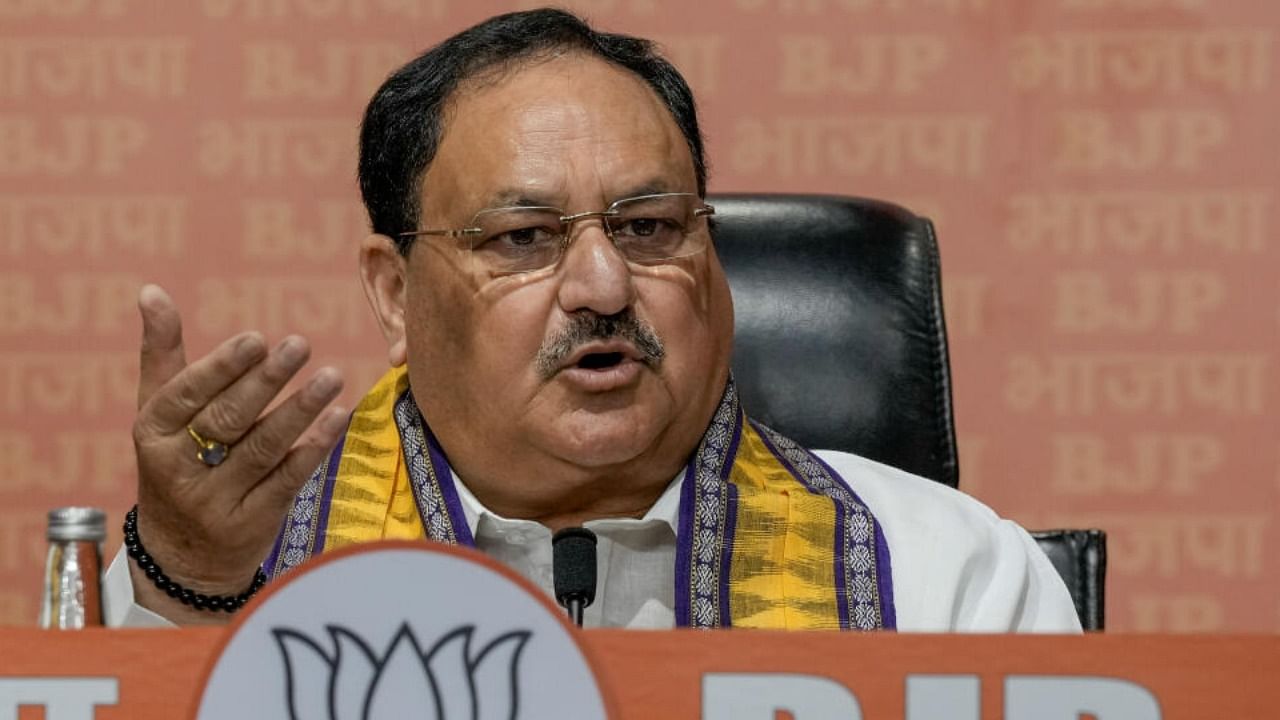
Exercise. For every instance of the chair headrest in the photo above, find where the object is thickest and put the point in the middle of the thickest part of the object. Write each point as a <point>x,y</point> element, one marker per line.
<point>840,340</point>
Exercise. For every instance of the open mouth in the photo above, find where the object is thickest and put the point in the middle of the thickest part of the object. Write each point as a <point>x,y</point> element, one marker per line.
<point>611,366</point>
<point>600,361</point>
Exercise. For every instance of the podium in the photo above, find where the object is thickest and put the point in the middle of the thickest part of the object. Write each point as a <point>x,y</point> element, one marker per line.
<point>393,630</point>
<point>649,675</point>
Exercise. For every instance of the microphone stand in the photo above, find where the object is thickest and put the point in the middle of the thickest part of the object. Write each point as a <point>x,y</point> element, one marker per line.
<point>575,605</point>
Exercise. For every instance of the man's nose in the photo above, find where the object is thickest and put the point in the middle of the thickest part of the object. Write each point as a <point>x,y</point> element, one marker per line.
<point>593,273</point>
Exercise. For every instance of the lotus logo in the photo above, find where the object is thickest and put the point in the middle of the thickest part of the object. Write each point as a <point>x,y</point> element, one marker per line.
<point>348,680</point>
<point>449,634</point>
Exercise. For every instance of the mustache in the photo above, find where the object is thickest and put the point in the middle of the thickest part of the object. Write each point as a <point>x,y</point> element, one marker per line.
<point>586,326</point>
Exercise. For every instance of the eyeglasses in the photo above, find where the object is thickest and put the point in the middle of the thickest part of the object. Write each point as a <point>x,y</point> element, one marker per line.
<point>647,230</point>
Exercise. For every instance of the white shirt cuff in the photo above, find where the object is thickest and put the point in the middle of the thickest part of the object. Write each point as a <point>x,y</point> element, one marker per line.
<point>118,607</point>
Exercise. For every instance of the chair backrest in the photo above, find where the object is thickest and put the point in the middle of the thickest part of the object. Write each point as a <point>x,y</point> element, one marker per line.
<point>840,341</point>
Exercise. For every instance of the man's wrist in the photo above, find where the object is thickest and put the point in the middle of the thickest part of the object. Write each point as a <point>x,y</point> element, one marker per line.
<point>146,595</point>
<point>155,590</point>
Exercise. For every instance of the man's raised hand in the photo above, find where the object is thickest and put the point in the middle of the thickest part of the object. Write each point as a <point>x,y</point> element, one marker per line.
<point>209,527</point>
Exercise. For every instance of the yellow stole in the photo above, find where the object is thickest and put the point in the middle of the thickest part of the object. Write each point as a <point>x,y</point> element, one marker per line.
<point>769,536</point>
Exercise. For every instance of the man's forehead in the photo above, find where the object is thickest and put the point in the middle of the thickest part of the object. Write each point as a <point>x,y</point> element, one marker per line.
<point>542,133</point>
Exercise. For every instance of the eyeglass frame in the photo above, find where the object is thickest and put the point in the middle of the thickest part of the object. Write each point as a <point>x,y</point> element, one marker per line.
<point>567,221</point>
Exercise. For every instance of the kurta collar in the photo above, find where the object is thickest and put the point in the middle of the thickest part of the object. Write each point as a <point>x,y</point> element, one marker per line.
<point>665,510</point>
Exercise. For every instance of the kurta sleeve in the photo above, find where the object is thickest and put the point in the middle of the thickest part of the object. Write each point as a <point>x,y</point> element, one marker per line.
<point>118,607</point>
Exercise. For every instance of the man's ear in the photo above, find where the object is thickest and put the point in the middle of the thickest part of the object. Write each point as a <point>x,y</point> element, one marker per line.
<point>383,272</point>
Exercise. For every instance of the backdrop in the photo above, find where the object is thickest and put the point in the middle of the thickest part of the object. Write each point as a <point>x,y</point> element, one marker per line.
<point>1103,174</point>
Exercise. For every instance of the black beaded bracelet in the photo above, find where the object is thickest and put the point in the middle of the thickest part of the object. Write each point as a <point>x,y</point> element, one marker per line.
<point>199,601</point>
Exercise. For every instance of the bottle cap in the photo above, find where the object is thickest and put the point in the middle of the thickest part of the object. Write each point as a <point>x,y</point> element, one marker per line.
<point>77,523</point>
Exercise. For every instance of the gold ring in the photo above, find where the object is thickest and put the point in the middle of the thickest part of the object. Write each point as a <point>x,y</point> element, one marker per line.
<point>211,452</point>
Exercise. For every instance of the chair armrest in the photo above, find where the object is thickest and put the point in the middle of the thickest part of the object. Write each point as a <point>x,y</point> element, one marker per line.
<point>1080,557</point>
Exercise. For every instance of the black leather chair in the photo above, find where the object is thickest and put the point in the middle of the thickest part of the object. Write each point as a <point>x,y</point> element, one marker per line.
<point>841,342</point>
<point>1080,556</point>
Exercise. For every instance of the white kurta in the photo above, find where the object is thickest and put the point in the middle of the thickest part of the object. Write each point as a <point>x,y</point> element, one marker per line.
<point>957,566</point>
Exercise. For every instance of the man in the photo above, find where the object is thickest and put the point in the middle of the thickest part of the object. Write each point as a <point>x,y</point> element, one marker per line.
<point>560,331</point>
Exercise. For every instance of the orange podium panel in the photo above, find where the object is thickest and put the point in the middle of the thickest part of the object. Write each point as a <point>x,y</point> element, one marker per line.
<point>157,674</point>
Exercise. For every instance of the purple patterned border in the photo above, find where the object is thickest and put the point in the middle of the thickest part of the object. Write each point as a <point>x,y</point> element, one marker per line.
<point>452,502</point>
<point>884,574</point>
<point>326,496</point>
<point>303,532</point>
<point>707,506</point>
<point>430,476</point>
<point>841,569</point>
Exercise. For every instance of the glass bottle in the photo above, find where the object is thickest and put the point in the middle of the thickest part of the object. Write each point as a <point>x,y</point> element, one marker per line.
<point>73,570</point>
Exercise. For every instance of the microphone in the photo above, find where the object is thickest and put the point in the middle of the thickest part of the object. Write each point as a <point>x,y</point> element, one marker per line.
<point>573,567</point>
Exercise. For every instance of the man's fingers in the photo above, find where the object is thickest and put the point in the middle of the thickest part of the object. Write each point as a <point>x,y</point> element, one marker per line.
<point>162,352</point>
<point>278,489</point>
<point>235,410</point>
<point>266,445</point>
<point>172,407</point>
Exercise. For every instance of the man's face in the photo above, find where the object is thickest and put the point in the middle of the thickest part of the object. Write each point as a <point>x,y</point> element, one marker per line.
<point>578,134</point>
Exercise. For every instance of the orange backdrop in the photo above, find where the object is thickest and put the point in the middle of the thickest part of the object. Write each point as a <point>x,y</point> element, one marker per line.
<point>1103,174</point>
